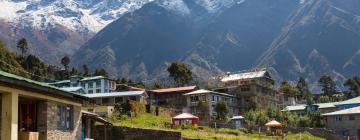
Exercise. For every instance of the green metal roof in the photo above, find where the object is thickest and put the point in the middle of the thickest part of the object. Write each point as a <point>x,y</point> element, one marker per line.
<point>33,82</point>
<point>303,106</point>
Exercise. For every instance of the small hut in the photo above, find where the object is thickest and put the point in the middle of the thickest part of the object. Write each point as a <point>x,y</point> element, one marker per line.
<point>237,122</point>
<point>275,127</point>
<point>185,119</point>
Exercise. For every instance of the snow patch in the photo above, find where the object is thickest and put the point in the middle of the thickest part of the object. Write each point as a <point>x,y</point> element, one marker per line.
<point>175,5</point>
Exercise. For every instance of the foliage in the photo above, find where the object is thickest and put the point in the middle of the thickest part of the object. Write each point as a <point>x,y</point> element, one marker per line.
<point>180,72</point>
<point>123,108</point>
<point>9,63</point>
<point>256,117</point>
<point>222,110</point>
<point>137,107</point>
<point>65,61</point>
<point>328,86</point>
<point>202,110</point>
<point>156,86</point>
<point>288,89</point>
<point>23,46</point>
<point>323,99</point>
<point>100,72</point>
<point>303,89</point>
<point>86,70</point>
<point>353,84</point>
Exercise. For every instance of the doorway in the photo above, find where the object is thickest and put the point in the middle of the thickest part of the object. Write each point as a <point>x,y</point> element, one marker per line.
<point>27,116</point>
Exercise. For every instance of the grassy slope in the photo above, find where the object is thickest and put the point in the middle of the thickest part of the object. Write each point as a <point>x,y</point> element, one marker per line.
<point>156,122</point>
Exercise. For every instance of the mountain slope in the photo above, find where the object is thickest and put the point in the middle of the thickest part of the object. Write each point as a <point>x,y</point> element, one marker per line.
<point>322,37</point>
<point>140,44</point>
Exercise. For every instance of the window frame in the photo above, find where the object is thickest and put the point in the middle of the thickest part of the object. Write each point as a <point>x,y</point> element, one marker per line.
<point>66,117</point>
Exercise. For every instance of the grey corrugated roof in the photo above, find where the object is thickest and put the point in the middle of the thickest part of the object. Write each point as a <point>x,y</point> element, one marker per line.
<point>245,75</point>
<point>92,78</point>
<point>202,91</point>
<point>115,94</point>
<point>71,89</point>
<point>355,100</point>
<point>354,110</point>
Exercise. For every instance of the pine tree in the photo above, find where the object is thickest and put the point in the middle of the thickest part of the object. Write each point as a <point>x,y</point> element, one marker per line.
<point>328,86</point>
<point>303,89</point>
<point>23,46</point>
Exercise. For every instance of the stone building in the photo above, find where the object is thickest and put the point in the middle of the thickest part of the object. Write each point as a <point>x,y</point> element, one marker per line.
<point>170,97</point>
<point>254,88</point>
<point>33,108</point>
<point>209,100</point>
<point>344,122</point>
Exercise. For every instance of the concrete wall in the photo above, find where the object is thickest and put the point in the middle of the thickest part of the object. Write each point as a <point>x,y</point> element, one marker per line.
<point>353,126</point>
<point>127,133</point>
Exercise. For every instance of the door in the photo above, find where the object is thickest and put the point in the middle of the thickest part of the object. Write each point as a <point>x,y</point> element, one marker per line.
<point>27,117</point>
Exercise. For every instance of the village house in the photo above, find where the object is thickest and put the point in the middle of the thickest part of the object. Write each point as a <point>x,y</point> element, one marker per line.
<point>104,102</point>
<point>170,97</point>
<point>90,85</point>
<point>31,108</point>
<point>251,88</point>
<point>344,122</point>
<point>209,99</point>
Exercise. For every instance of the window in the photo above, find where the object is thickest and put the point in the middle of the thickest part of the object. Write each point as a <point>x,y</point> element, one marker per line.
<point>65,114</point>
<point>213,98</point>
<point>98,90</point>
<point>338,118</point>
<point>245,88</point>
<point>90,85</point>
<point>90,91</point>
<point>351,117</point>
<point>98,83</point>
<point>203,98</point>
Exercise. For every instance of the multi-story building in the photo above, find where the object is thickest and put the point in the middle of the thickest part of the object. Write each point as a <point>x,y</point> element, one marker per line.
<point>209,100</point>
<point>254,88</point>
<point>90,85</point>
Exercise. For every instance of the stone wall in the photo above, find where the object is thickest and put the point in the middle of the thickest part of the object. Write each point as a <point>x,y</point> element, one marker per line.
<point>127,133</point>
<point>48,122</point>
<point>317,132</point>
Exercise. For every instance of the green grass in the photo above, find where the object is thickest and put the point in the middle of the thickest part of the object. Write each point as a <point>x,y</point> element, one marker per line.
<point>146,121</point>
<point>205,133</point>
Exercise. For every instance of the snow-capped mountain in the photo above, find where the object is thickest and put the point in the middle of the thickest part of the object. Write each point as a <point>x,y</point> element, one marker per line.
<point>76,15</point>
<point>55,28</point>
